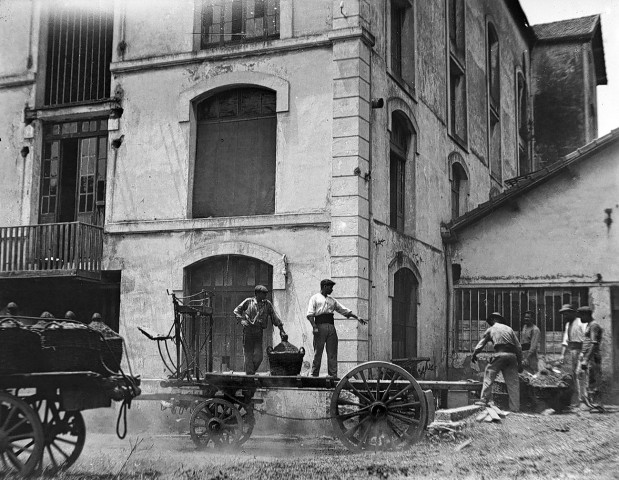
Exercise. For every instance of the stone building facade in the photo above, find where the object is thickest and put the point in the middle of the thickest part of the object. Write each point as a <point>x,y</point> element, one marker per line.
<point>217,144</point>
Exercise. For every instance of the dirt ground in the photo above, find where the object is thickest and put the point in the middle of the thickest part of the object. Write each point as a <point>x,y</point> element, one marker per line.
<point>580,445</point>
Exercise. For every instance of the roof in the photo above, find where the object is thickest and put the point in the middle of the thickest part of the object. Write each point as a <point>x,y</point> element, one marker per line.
<point>525,183</point>
<point>586,29</point>
<point>582,27</point>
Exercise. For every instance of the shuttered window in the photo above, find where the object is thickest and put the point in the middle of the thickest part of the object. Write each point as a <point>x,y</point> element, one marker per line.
<point>238,21</point>
<point>235,158</point>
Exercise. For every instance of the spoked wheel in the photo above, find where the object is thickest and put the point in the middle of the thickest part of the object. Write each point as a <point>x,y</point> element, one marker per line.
<point>378,406</point>
<point>249,421</point>
<point>64,433</point>
<point>21,436</point>
<point>216,423</point>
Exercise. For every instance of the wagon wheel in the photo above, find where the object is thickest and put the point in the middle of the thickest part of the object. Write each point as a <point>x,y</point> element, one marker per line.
<point>21,436</point>
<point>64,433</point>
<point>249,421</point>
<point>216,423</point>
<point>378,406</point>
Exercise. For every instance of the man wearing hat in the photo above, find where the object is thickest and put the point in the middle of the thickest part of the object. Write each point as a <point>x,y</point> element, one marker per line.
<point>591,358</point>
<point>320,315</point>
<point>507,359</point>
<point>529,340</point>
<point>254,314</point>
<point>573,338</point>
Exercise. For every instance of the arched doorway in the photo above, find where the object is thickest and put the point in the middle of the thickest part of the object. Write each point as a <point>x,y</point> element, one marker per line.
<point>404,315</point>
<point>231,278</point>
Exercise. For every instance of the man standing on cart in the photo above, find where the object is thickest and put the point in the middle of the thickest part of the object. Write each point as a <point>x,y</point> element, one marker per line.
<point>254,314</point>
<point>320,315</point>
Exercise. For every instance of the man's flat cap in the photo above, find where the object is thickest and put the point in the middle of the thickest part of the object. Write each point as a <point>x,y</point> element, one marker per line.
<point>567,308</point>
<point>326,281</point>
<point>261,288</point>
<point>584,309</point>
<point>496,315</point>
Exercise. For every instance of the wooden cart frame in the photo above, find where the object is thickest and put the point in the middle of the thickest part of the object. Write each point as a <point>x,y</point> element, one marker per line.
<point>41,425</point>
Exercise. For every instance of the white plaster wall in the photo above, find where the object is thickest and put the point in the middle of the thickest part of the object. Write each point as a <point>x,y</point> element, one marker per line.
<point>153,263</point>
<point>153,164</point>
<point>555,233</point>
<point>15,183</point>
<point>15,28</point>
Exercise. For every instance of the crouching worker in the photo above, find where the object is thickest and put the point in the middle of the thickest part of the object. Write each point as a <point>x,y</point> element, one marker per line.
<point>506,359</point>
<point>254,314</point>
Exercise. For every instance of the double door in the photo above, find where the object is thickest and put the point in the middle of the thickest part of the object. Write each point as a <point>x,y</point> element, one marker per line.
<point>232,279</point>
<point>73,173</point>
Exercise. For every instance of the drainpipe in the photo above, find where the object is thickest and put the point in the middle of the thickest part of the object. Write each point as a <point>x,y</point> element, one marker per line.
<point>369,179</point>
<point>448,304</point>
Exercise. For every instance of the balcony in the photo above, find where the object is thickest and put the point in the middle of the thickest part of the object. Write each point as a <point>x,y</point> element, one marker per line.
<point>51,250</point>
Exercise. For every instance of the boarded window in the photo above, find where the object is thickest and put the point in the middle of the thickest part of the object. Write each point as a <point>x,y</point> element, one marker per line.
<point>404,315</point>
<point>473,305</point>
<point>79,51</point>
<point>457,71</point>
<point>235,158</point>
<point>458,190</point>
<point>494,105</point>
<point>238,21</point>
<point>522,121</point>
<point>400,140</point>
<point>402,41</point>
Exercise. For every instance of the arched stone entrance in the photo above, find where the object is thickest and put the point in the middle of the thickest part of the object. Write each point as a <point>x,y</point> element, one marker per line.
<point>231,278</point>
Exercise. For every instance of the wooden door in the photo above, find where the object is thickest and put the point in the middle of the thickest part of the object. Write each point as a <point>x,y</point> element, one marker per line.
<point>232,279</point>
<point>404,315</point>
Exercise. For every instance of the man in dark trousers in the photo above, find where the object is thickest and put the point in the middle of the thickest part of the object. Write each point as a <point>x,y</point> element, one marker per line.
<point>320,315</point>
<point>254,314</point>
<point>591,357</point>
<point>529,340</point>
<point>506,359</point>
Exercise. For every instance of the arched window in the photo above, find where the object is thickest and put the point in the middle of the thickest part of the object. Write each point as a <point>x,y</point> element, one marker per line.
<point>235,157</point>
<point>459,187</point>
<point>493,70</point>
<point>399,146</point>
<point>232,278</point>
<point>404,315</point>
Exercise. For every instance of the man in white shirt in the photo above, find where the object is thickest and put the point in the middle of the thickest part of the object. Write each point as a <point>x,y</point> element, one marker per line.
<point>573,338</point>
<point>320,315</point>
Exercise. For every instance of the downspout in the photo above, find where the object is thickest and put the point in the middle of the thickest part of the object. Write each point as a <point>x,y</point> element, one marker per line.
<point>448,304</point>
<point>369,180</point>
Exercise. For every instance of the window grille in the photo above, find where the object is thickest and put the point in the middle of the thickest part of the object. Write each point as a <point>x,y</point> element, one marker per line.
<point>238,21</point>
<point>79,51</point>
<point>473,305</point>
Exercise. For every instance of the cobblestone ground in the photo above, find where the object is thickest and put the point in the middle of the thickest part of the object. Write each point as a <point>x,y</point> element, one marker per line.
<point>582,445</point>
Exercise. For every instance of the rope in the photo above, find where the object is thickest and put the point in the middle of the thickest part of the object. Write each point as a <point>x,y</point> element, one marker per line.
<point>122,414</point>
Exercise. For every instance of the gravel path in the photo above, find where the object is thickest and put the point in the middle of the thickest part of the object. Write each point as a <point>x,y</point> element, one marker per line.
<point>582,445</point>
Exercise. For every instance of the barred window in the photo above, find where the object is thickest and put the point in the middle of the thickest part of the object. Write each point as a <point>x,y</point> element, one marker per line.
<point>473,305</point>
<point>238,21</point>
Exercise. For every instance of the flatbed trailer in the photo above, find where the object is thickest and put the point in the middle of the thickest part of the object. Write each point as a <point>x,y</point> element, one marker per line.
<point>375,406</point>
